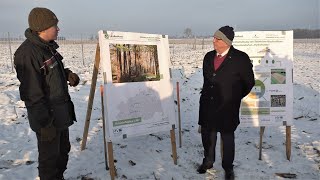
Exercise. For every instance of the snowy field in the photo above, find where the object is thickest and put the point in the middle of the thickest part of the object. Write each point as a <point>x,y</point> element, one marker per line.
<point>149,157</point>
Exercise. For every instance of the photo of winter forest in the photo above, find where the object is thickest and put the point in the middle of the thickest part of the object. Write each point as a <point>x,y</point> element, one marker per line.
<point>134,63</point>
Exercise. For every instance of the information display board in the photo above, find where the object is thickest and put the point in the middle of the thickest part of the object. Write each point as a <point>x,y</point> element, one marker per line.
<point>270,102</point>
<point>137,84</point>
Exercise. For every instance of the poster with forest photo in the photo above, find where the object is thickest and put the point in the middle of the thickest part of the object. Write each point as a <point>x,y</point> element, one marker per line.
<point>137,84</point>
<point>134,63</point>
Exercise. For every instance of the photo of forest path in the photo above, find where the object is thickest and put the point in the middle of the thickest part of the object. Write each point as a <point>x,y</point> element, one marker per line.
<point>134,63</point>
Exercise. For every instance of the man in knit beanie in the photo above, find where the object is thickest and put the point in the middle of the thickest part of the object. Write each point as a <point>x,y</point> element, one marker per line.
<point>44,90</point>
<point>228,77</point>
<point>226,34</point>
<point>41,19</point>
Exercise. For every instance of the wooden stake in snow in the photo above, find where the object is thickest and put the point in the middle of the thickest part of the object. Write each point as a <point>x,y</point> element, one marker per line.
<point>10,51</point>
<point>82,51</point>
<point>104,129</point>
<point>202,43</point>
<point>113,172</point>
<point>260,142</point>
<point>288,142</point>
<point>91,97</point>
<point>195,43</point>
<point>179,115</point>
<point>173,145</point>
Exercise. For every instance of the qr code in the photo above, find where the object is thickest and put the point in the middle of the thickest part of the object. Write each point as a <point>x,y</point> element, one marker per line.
<point>278,100</point>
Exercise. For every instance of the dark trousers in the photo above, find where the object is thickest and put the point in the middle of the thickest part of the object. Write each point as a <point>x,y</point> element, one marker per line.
<point>209,140</point>
<point>53,156</point>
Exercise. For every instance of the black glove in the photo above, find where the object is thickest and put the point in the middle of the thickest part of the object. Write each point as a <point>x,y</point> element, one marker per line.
<point>73,79</point>
<point>48,133</point>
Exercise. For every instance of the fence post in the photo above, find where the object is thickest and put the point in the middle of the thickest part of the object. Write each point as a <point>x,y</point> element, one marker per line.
<point>9,40</point>
<point>172,50</point>
<point>82,51</point>
<point>202,43</point>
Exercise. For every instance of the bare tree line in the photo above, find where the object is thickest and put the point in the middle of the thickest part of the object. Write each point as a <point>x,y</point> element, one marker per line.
<point>297,34</point>
<point>187,33</point>
<point>306,34</point>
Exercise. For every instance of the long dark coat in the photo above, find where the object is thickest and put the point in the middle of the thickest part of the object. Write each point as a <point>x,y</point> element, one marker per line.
<point>223,90</point>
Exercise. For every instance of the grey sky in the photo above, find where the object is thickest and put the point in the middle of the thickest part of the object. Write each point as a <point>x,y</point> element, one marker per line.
<point>164,16</point>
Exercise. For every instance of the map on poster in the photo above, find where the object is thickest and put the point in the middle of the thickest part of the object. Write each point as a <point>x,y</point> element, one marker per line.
<point>138,89</point>
<point>270,102</point>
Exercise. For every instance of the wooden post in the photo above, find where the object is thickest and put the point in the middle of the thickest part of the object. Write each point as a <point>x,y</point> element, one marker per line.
<point>202,43</point>
<point>173,146</point>
<point>104,129</point>
<point>179,115</point>
<point>113,172</point>
<point>9,39</point>
<point>260,142</point>
<point>91,97</point>
<point>82,51</point>
<point>173,51</point>
<point>288,142</point>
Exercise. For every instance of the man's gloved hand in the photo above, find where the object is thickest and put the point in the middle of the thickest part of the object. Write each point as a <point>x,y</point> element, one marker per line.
<point>48,133</point>
<point>199,129</point>
<point>73,78</point>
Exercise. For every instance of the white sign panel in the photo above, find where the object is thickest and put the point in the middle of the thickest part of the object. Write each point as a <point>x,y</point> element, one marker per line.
<point>270,102</point>
<point>138,88</point>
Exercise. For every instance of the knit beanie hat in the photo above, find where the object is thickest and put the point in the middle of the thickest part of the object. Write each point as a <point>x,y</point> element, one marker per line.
<point>41,19</point>
<point>225,33</point>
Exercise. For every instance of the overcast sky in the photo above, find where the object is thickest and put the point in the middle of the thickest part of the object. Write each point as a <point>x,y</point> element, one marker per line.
<point>164,16</point>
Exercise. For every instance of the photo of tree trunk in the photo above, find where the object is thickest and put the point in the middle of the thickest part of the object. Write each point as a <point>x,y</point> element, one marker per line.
<point>134,63</point>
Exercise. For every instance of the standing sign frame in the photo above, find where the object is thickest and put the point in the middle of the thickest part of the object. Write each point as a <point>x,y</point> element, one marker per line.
<point>270,102</point>
<point>107,93</point>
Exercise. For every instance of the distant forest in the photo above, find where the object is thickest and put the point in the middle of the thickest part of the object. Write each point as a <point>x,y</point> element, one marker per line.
<point>306,33</point>
<point>297,34</point>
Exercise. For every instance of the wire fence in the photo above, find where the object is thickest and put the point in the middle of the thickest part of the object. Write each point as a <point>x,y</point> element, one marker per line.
<point>81,47</point>
<point>78,50</point>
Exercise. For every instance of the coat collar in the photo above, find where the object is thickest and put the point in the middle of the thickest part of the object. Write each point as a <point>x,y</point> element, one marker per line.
<point>35,39</point>
<point>226,60</point>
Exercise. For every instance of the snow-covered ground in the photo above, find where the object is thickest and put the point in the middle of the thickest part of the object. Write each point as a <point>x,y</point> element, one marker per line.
<point>151,154</point>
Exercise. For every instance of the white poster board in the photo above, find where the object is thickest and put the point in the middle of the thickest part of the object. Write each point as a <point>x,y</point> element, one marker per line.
<point>137,84</point>
<point>270,102</point>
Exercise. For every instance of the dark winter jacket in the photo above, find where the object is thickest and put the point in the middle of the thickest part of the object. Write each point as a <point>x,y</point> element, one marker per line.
<point>223,90</point>
<point>43,83</point>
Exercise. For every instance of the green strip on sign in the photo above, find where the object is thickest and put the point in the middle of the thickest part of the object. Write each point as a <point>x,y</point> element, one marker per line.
<point>126,121</point>
<point>255,111</point>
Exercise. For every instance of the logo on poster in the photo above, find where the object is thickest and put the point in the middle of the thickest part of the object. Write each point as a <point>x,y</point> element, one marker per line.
<point>117,132</point>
